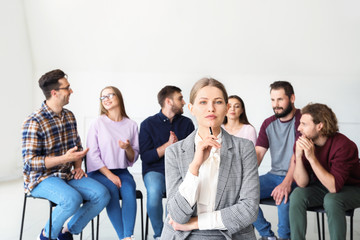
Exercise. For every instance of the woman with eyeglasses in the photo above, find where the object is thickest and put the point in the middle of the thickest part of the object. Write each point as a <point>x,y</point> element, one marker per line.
<point>113,147</point>
<point>236,122</point>
<point>212,181</point>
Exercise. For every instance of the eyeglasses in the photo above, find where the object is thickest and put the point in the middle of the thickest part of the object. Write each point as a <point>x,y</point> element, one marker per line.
<point>65,88</point>
<point>109,96</point>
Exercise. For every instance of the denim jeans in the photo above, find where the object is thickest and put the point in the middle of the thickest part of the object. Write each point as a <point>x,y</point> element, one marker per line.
<point>69,195</point>
<point>155,187</point>
<point>122,217</point>
<point>335,205</point>
<point>267,184</point>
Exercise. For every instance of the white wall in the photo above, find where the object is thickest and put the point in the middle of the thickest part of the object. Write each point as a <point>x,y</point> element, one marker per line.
<point>140,46</point>
<point>16,84</point>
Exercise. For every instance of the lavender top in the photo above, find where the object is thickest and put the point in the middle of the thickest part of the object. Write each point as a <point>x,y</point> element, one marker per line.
<point>102,141</point>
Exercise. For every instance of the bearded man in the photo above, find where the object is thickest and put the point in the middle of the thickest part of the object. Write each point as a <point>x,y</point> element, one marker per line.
<point>327,171</point>
<point>157,132</point>
<point>279,133</point>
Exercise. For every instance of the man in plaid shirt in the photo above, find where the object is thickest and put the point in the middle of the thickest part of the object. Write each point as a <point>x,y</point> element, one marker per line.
<point>52,155</point>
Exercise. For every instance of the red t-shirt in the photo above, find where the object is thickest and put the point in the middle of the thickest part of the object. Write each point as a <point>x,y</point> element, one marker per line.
<point>339,156</point>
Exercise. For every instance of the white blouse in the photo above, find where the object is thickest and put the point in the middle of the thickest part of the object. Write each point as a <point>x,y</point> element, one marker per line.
<point>202,189</point>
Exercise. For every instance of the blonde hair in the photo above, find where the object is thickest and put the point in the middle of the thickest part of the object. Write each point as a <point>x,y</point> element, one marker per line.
<point>121,101</point>
<point>204,82</point>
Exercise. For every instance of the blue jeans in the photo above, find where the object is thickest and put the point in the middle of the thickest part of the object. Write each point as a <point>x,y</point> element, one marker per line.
<point>69,195</point>
<point>267,184</point>
<point>155,187</point>
<point>122,217</point>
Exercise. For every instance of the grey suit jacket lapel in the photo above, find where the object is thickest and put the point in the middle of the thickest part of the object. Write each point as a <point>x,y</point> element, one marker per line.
<point>188,151</point>
<point>226,157</point>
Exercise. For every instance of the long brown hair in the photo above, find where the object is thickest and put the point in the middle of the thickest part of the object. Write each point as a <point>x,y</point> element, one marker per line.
<point>121,101</point>
<point>324,114</point>
<point>243,118</point>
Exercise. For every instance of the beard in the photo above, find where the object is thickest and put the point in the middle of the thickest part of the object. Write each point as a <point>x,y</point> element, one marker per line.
<point>177,110</point>
<point>285,112</point>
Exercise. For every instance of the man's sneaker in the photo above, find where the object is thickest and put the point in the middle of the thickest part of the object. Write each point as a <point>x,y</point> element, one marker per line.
<point>65,236</point>
<point>41,236</point>
<point>268,238</point>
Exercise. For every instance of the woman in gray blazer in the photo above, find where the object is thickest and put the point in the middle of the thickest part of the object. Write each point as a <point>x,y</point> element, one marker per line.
<point>212,180</point>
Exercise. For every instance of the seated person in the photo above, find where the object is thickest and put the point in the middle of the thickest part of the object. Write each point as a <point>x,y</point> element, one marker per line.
<point>236,122</point>
<point>52,155</point>
<point>212,180</point>
<point>158,132</point>
<point>327,171</point>
<point>113,147</point>
<point>278,133</point>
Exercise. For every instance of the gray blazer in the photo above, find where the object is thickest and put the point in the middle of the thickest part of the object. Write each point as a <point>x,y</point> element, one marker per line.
<point>237,195</point>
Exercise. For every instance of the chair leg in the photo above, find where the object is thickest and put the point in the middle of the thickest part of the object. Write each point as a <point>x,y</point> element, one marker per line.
<point>146,226</point>
<point>323,225</point>
<point>142,219</point>
<point>50,219</point>
<point>92,229</point>
<point>318,225</point>
<point>351,227</point>
<point>97,227</point>
<point>23,217</point>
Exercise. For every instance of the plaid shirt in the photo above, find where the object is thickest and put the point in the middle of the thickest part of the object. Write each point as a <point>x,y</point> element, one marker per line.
<point>46,134</point>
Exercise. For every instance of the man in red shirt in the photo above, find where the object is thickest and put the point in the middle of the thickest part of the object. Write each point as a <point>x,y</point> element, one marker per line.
<point>327,172</point>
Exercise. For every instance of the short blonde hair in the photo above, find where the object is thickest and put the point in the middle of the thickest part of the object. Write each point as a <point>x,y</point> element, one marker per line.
<point>204,82</point>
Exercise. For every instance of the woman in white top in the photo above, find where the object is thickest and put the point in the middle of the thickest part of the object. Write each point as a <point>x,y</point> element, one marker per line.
<point>212,181</point>
<point>236,122</point>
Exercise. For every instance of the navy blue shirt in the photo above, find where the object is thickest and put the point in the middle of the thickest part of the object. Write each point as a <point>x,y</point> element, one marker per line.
<point>154,132</point>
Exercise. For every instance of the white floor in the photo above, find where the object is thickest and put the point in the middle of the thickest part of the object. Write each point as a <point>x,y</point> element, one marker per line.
<point>37,212</point>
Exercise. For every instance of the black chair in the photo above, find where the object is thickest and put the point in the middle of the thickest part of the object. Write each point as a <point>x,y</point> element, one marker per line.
<point>52,204</point>
<point>147,221</point>
<point>318,210</point>
<point>139,195</point>
<point>321,210</point>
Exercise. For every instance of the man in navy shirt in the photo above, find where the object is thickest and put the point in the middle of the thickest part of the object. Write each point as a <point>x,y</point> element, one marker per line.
<point>157,132</point>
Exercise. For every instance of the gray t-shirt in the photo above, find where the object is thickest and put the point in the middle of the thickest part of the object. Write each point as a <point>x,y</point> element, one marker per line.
<point>280,137</point>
